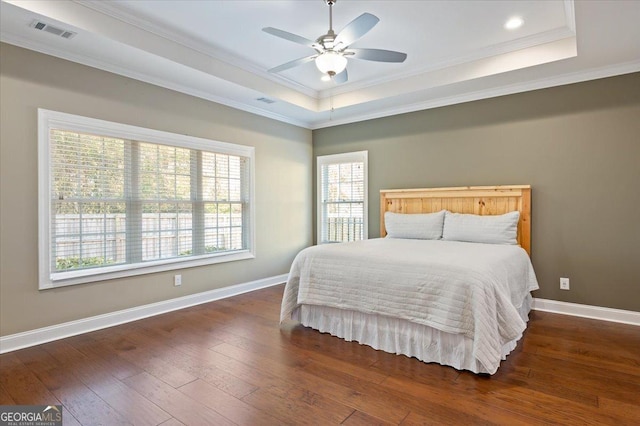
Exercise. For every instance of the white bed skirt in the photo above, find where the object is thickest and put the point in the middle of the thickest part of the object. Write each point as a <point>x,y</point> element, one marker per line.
<point>398,336</point>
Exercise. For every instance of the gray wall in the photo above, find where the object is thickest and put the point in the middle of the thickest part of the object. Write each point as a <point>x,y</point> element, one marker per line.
<point>577,145</point>
<point>30,80</point>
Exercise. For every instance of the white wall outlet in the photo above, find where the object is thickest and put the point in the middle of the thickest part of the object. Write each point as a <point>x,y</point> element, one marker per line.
<point>564,283</point>
<point>177,280</point>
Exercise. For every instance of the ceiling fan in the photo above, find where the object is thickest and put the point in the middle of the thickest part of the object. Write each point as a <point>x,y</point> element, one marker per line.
<point>332,50</point>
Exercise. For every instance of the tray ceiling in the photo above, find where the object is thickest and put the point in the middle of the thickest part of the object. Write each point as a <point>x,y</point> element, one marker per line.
<point>457,50</point>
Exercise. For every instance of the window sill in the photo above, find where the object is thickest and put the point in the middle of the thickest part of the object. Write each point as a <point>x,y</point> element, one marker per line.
<point>123,271</point>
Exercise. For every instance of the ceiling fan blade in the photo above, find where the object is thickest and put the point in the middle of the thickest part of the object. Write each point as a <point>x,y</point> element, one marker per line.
<point>356,29</point>
<point>292,64</point>
<point>378,55</point>
<point>289,36</point>
<point>342,77</point>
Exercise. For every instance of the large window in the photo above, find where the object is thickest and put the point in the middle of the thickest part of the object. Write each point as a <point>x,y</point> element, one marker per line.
<point>119,200</point>
<point>342,197</point>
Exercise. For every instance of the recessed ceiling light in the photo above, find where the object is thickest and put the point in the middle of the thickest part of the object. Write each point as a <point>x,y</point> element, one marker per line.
<point>514,23</point>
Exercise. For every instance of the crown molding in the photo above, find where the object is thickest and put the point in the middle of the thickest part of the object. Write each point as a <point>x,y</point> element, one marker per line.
<point>569,30</point>
<point>542,83</point>
<point>310,116</point>
<point>487,52</point>
<point>109,9</point>
<point>139,22</point>
<point>569,78</point>
<point>570,14</point>
<point>126,72</point>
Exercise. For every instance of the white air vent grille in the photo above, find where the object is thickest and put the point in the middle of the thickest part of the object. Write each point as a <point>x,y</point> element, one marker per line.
<point>265,100</point>
<point>43,26</point>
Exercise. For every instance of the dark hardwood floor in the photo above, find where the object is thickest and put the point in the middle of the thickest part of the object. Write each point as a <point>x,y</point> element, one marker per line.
<point>230,362</point>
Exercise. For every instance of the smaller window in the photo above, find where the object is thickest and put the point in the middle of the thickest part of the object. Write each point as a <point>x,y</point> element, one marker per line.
<point>342,197</point>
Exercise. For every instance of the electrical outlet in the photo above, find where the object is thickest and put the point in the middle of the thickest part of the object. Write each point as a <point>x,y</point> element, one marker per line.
<point>564,284</point>
<point>177,280</point>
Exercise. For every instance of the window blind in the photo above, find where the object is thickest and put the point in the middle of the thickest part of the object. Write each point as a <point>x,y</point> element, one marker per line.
<point>121,203</point>
<point>342,197</point>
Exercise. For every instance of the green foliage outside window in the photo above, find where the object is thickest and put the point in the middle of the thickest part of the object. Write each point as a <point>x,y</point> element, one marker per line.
<point>76,262</point>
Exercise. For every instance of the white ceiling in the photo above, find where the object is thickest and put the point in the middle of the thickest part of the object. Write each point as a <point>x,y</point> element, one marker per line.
<point>457,50</point>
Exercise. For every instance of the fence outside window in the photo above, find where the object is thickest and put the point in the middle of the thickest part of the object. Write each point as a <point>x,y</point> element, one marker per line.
<point>97,239</point>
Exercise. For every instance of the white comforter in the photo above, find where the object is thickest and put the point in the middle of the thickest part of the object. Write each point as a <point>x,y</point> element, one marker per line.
<point>461,288</point>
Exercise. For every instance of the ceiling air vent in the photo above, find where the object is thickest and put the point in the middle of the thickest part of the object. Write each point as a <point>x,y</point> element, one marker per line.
<point>265,100</point>
<point>42,26</point>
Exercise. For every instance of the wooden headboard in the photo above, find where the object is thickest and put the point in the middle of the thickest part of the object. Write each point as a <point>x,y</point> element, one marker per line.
<point>482,200</point>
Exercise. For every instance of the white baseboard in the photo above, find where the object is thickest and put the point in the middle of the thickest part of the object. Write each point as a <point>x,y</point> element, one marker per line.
<point>60,331</point>
<point>587,311</point>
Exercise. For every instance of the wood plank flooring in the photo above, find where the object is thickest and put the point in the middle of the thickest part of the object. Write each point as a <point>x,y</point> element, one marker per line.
<point>230,362</point>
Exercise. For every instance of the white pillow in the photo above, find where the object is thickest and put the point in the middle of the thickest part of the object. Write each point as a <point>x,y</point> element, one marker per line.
<point>501,229</point>
<point>421,226</point>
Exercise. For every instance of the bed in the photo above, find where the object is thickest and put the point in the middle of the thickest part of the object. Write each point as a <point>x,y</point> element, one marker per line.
<point>456,298</point>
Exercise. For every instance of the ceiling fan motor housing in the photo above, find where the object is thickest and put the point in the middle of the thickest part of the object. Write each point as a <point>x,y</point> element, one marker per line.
<point>327,41</point>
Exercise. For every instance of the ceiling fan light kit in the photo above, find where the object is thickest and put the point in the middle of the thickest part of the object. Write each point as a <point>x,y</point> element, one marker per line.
<point>331,63</point>
<point>333,50</point>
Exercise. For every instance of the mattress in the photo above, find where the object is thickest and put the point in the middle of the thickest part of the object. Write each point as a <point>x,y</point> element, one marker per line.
<point>417,293</point>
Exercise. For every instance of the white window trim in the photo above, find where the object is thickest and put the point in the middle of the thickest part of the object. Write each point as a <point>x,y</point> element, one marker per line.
<point>347,157</point>
<point>52,119</point>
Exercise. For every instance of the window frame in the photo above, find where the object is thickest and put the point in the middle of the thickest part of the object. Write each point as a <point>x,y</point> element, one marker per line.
<point>47,120</point>
<point>347,157</point>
